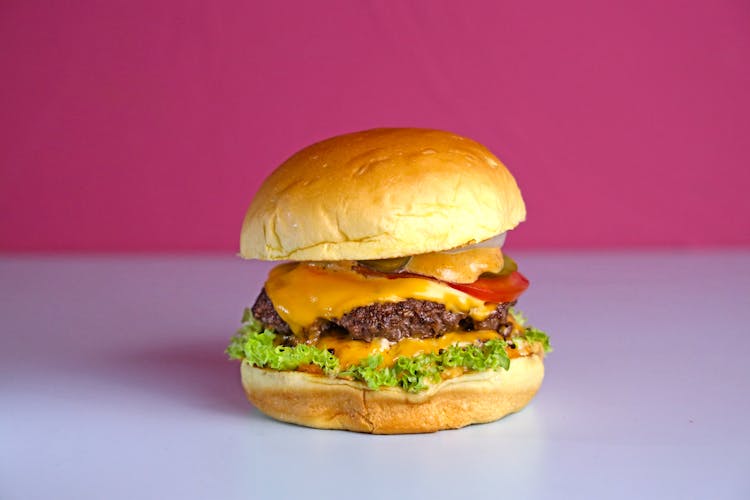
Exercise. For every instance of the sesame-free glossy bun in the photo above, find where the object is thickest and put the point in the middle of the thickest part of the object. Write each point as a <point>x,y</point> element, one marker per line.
<point>330,403</point>
<point>378,194</point>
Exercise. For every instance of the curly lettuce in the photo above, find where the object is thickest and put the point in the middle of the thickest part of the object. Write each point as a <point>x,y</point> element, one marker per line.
<point>260,347</point>
<point>414,374</point>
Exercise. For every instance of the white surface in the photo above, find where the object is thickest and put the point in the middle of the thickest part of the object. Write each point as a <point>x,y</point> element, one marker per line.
<point>113,384</point>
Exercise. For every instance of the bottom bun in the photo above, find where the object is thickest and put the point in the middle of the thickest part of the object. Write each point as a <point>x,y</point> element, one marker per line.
<point>330,403</point>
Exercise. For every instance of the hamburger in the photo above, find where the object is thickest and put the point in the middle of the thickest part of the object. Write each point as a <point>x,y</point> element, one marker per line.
<point>394,310</point>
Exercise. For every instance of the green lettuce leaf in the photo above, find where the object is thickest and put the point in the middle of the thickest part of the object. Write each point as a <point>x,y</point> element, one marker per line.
<point>369,371</point>
<point>532,334</point>
<point>260,347</point>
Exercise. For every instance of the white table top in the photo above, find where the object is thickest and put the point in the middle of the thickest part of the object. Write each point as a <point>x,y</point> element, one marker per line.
<point>113,384</point>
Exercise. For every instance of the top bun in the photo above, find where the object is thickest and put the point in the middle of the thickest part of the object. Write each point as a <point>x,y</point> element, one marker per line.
<point>379,194</point>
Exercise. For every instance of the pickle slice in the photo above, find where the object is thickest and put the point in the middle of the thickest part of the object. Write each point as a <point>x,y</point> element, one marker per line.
<point>386,265</point>
<point>509,266</point>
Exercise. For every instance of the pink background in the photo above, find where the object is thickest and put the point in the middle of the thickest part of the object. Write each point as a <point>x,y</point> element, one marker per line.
<point>147,126</point>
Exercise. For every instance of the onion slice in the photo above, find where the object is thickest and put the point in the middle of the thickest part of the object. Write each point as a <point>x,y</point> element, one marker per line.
<point>494,242</point>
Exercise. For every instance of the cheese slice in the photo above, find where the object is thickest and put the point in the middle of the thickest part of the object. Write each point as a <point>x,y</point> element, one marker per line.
<point>460,267</point>
<point>304,292</point>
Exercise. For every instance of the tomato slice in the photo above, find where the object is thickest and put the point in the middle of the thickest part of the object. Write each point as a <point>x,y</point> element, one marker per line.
<point>502,288</point>
<point>495,289</point>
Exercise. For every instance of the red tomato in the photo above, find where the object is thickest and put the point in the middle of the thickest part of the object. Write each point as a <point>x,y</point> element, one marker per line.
<point>503,289</point>
<point>506,288</point>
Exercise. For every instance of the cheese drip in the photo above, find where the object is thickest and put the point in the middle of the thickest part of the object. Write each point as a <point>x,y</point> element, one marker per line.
<point>304,292</point>
<point>351,352</point>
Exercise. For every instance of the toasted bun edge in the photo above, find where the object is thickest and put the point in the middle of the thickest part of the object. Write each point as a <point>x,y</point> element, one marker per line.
<point>329,403</point>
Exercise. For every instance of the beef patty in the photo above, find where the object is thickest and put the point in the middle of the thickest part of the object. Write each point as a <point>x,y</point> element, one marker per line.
<point>391,320</point>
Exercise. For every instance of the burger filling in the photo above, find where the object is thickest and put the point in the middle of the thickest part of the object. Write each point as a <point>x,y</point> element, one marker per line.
<point>382,323</point>
<point>392,321</point>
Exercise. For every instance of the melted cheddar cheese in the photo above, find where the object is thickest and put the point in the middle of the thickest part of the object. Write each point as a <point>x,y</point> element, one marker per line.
<point>461,267</point>
<point>351,352</point>
<point>304,292</point>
